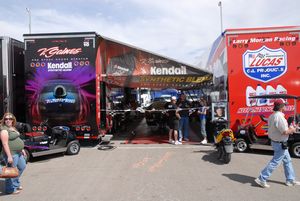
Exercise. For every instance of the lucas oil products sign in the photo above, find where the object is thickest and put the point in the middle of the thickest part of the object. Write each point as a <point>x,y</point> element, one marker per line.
<point>264,64</point>
<point>60,79</point>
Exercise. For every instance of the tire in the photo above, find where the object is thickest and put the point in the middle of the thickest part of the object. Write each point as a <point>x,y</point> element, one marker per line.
<point>28,156</point>
<point>220,152</point>
<point>295,150</point>
<point>73,148</point>
<point>227,158</point>
<point>241,145</point>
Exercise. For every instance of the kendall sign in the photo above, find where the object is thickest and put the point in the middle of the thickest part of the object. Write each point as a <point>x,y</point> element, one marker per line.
<point>265,64</point>
<point>168,71</point>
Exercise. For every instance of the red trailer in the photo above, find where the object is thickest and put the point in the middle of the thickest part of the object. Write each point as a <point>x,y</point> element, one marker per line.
<point>252,62</point>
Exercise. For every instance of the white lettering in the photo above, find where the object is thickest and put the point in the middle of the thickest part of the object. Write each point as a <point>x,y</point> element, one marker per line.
<point>60,100</point>
<point>50,52</point>
<point>60,66</point>
<point>168,71</point>
<point>240,41</point>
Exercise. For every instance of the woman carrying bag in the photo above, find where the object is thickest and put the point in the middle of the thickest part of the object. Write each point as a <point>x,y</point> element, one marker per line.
<point>12,151</point>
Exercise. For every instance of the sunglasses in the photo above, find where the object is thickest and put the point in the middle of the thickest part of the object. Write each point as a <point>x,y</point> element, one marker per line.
<point>5,119</point>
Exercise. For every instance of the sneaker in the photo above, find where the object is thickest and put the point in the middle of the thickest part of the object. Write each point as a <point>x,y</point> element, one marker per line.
<point>180,140</point>
<point>171,141</point>
<point>177,143</point>
<point>262,184</point>
<point>186,139</point>
<point>292,183</point>
<point>204,141</point>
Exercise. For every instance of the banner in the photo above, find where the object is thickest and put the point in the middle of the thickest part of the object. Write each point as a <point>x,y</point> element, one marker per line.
<point>130,67</point>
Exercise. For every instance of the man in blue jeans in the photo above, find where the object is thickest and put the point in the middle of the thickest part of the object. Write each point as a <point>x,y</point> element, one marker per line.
<point>184,107</point>
<point>279,132</point>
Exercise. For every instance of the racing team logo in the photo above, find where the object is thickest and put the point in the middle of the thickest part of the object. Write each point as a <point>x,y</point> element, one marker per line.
<point>264,64</point>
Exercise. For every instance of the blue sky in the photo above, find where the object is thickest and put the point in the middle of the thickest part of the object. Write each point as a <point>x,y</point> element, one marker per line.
<point>179,29</point>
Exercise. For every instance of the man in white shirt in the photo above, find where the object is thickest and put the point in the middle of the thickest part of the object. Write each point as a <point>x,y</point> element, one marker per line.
<point>278,132</point>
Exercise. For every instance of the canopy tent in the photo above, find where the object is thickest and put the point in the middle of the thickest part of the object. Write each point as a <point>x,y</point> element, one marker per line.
<point>126,66</point>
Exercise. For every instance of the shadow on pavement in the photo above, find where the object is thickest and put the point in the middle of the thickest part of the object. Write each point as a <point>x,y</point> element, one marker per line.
<point>89,143</point>
<point>244,179</point>
<point>210,156</point>
<point>46,158</point>
<point>260,151</point>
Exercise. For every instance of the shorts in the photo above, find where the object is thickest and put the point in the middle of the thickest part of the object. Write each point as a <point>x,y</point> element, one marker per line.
<point>173,124</point>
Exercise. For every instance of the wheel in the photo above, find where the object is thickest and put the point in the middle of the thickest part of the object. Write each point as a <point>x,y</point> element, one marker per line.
<point>73,148</point>
<point>241,145</point>
<point>226,158</point>
<point>295,149</point>
<point>220,152</point>
<point>28,156</point>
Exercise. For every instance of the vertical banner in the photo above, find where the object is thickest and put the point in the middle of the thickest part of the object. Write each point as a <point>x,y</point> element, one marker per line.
<point>60,79</point>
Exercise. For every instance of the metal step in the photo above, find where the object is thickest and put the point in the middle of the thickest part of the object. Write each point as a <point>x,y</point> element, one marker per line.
<point>261,146</point>
<point>48,152</point>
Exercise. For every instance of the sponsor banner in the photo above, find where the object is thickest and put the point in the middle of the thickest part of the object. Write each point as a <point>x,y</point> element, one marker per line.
<point>127,66</point>
<point>157,82</point>
<point>60,80</point>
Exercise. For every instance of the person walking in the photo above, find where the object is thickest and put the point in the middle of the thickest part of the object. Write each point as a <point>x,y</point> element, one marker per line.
<point>12,151</point>
<point>278,132</point>
<point>183,129</point>
<point>173,123</point>
<point>202,117</point>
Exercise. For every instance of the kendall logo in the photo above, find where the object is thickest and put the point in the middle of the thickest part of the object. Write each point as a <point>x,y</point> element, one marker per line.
<point>168,71</point>
<point>265,64</point>
<point>53,67</point>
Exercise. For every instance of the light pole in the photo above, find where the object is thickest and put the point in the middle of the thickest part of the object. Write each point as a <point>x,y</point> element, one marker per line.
<point>29,18</point>
<point>221,16</point>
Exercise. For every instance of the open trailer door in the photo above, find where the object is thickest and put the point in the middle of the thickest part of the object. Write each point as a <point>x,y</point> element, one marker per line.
<point>126,67</point>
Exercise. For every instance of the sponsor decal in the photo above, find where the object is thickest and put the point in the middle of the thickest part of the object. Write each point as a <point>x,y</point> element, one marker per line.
<point>50,52</point>
<point>168,71</point>
<point>265,64</point>
<point>59,100</point>
<point>261,110</point>
<point>59,66</point>
<point>177,79</point>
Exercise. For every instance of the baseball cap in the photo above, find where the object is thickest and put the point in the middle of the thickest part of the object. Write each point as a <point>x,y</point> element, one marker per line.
<point>279,101</point>
<point>173,98</point>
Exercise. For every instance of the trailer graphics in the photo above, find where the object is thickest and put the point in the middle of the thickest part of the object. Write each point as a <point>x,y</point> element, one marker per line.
<point>255,62</point>
<point>60,81</point>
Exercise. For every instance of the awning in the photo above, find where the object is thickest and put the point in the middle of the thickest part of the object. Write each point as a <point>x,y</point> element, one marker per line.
<point>128,66</point>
